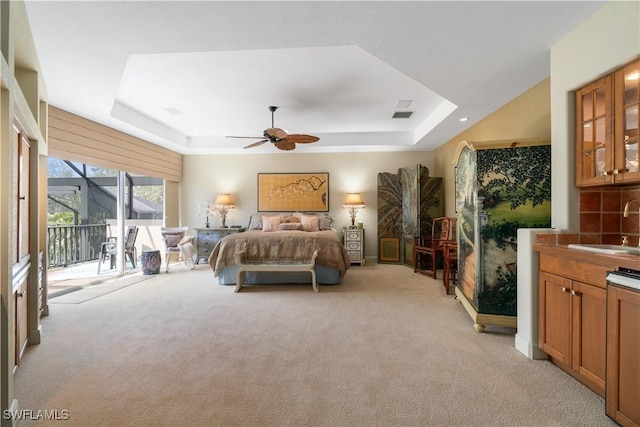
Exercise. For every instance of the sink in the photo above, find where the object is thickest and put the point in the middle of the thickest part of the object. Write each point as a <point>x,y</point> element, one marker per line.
<point>608,249</point>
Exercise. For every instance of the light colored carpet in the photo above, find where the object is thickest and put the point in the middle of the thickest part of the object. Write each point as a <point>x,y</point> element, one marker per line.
<point>96,290</point>
<point>385,348</point>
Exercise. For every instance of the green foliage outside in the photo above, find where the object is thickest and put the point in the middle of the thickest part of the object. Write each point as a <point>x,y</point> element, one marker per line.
<point>61,210</point>
<point>151,193</point>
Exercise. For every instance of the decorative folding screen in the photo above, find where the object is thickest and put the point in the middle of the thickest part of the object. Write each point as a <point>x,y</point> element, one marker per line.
<point>407,203</point>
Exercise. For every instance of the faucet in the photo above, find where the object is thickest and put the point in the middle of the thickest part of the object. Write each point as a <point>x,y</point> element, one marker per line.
<point>626,212</point>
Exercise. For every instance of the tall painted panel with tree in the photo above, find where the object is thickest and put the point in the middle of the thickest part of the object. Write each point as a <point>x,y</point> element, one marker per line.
<point>498,190</point>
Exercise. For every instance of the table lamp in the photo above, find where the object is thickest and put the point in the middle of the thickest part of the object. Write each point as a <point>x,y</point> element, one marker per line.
<point>352,204</point>
<point>223,203</point>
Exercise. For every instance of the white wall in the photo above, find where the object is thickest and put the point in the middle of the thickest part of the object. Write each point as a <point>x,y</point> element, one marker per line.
<point>206,176</point>
<point>606,41</point>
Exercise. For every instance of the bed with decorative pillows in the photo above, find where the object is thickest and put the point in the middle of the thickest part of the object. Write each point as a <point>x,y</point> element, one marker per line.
<point>277,237</point>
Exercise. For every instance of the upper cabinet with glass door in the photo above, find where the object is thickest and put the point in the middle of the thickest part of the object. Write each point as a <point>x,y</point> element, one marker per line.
<point>626,113</point>
<point>607,113</point>
<point>594,133</point>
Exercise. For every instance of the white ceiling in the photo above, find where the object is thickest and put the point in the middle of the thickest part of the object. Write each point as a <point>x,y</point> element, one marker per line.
<point>185,75</point>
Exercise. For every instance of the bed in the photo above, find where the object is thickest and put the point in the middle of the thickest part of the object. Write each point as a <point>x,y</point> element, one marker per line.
<point>271,238</point>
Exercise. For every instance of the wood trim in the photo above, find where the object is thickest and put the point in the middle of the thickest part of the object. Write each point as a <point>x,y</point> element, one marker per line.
<point>72,137</point>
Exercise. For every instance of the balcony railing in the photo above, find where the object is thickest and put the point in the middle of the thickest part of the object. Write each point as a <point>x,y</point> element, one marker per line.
<point>72,244</point>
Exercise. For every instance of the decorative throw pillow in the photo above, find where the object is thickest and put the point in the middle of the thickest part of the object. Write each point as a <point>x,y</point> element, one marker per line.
<point>271,223</point>
<point>185,240</point>
<point>290,219</point>
<point>309,222</point>
<point>172,239</point>
<point>255,222</point>
<point>324,221</point>
<point>290,226</point>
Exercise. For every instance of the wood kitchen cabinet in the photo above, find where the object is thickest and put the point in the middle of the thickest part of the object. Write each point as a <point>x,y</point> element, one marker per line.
<point>594,133</point>
<point>623,348</point>
<point>626,116</point>
<point>572,318</point>
<point>607,114</point>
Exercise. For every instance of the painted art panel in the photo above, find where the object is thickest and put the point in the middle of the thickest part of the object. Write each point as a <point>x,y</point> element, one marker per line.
<point>288,192</point>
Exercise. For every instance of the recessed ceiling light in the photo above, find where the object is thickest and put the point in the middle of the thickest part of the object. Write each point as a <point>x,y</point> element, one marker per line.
<point>464,119</point>
<point>173,110</point>
<point>403,103</point>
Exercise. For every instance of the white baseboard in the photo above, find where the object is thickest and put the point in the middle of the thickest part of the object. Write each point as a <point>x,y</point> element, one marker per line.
<point>529,349</point>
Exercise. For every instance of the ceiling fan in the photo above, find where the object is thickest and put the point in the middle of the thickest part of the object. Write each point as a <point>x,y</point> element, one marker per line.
<point>279,137</point>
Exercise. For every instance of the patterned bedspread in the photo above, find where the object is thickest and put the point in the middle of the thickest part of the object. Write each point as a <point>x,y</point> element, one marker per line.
<point>281,246</point>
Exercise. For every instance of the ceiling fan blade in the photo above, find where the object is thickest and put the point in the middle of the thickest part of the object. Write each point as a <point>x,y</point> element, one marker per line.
<point>276,133</point>
<point>297,138</point>
<point>285,144</point>
<point>255,144</point>
<point>245,137</point>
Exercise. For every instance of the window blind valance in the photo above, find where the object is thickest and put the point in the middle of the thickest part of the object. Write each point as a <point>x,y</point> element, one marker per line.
<point>72,137</point>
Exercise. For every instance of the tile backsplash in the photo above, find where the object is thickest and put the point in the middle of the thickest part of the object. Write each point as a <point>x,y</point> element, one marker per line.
<point>601,219</point>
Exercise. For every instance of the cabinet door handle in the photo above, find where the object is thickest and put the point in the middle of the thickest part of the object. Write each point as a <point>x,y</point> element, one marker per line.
<point>573,292</point>
<point>564,289</point>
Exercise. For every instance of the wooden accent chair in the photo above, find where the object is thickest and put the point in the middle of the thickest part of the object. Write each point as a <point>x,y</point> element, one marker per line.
<point>450,265</point>
<point>430,250</point>
<point>110,248</point>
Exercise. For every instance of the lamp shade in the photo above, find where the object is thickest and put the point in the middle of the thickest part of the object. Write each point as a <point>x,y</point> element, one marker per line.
<point>353,201</point>
<point>224,200</point>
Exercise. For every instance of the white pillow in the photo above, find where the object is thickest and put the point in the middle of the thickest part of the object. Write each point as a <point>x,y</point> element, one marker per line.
<point>309,222</point>
<point>271,222</point>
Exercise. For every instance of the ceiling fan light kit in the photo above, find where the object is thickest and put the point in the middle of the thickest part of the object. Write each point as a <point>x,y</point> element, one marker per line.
<point>279,137</point>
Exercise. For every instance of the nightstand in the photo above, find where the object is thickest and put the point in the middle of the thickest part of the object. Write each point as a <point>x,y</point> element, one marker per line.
<point>354,244</point>
<point>206,239</point>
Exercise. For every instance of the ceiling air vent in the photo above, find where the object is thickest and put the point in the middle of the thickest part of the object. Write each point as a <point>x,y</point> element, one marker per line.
<point>401,114</point>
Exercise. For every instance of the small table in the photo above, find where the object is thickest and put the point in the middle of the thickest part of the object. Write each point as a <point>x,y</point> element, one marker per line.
<point>150,262</point>
<point>207,238</point>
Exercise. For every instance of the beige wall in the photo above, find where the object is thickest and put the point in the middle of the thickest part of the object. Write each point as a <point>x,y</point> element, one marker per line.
<point>171,204</point>
<point>609,39</point>
<point>206,176</point>
<point>606,41</point>
<point>524,119</point>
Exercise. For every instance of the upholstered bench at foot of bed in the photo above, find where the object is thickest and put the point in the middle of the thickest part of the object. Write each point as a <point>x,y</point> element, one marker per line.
<point>244,266</point>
